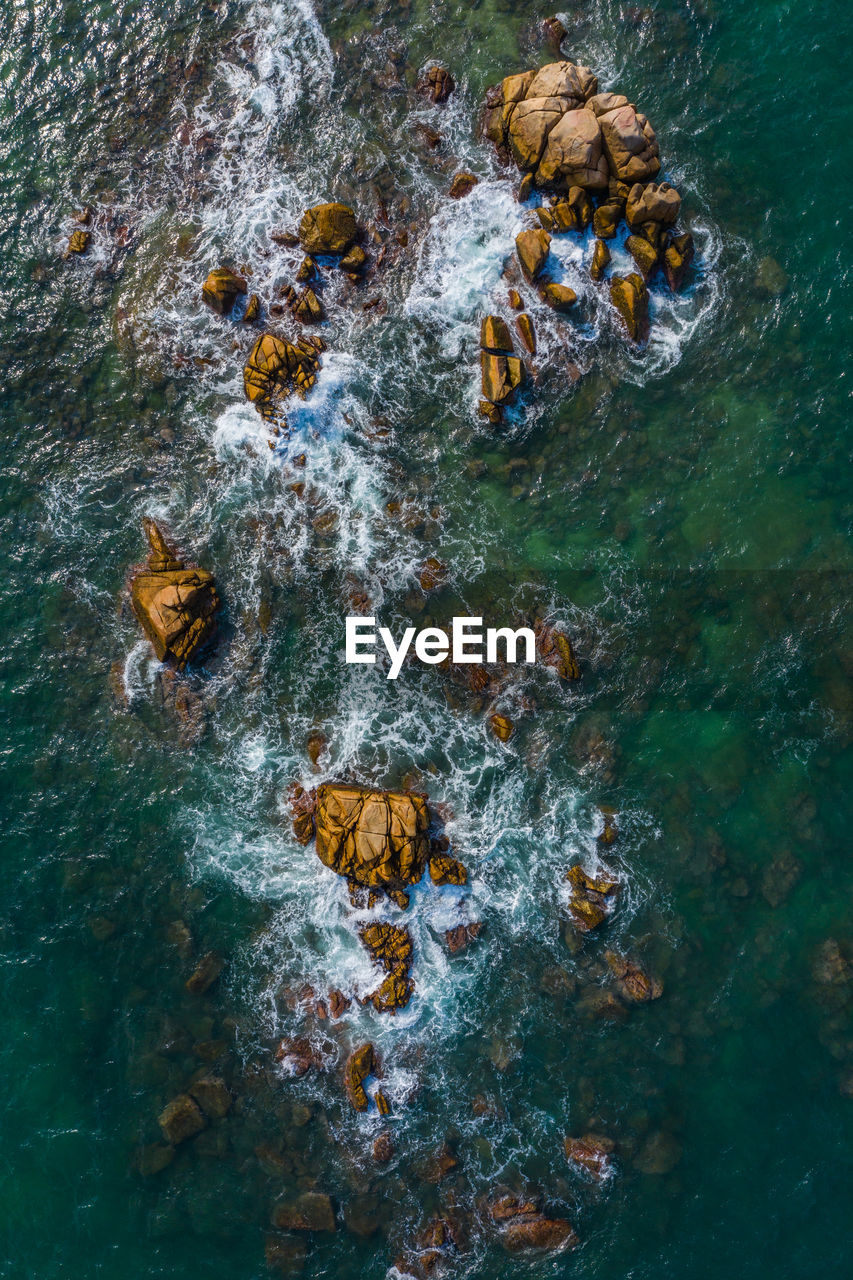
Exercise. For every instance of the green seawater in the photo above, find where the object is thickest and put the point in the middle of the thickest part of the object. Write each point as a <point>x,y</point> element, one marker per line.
<point>684,514</point>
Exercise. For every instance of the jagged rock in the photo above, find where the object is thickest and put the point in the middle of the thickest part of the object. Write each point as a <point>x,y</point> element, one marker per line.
<point>212,1095</point>
<point>525,187</point>
<point>587,902</point>
<point>307,269</point>
<point>501,726</point>
<point>175,603</point>
<point>462,935</point>
<point>580,203</point>
<point>490,411</point>
<point>383,1106</point>
<point>631,299</point>
<point>501,376</point>
<point>393,994</point>
<point>652,202</point>
<point>338,1003</point>
<point>582,880</point>
<point>360,1064</point>
<point>526,332</point>
<point>505,1207</point>
<point>390,945</point>
<point>297,1055</point>
<point>221,290</point>
<point>532,248</point>
<point>677,257</point>
<point>181,1119</point>
<point>462,185</point>
<point>253,309</point>
<point>78,242</point>
<point>437,84</point>
<point>634,983</point>
<point>644,254</point>
<point>328,228</point>
<point>312,1211</point>
<point>446,870</point>
<point>554,32</point>
<point>276,368</point>
<point>494,336</point>
<point>558,296</point>
<point>591,1153</point>
<point>600,260</point>
<point>375,838</point>
<point>303,805</point>
<point>205,974</point>
<point>304,306</point>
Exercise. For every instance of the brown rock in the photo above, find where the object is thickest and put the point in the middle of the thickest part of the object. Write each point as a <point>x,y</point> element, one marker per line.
<point>383,1106</point>
<point>579,201</point>
<point>305,306</point>
<point>462,185</point>
<point>604,885</point>
<point>312,1211</point>
<point>554,32</point>
<point>253,309</point>
<point>212,1095</point>
<point>181,1119</point>
<point>526,332</point>
<point>634,983</point>
<point>375,838</point>
<point>462,935</point>
<point>515,300</point>
<point>631,299</point>
<point>446,870</point>
<point>591,1153</point>
<point>174,603</point>
<point>221,290</point>
<point>433,574</point>
<point>494,336</point>
<point>606,219</point>
<point>558,296</point>
<point>207,971</point>
<point>677,257</point>
<point>600,260</point>
<point>643,253</point>
<point>490,411</point>
<point>360,1064</point>
<point>78,242</point>
<point>587,912</point>
<point>393,994</point>
<point>501,726</point>
<point>555,650</point>
<point>390,945</point>
<point>383,1148</point>
<point>327,228</point>
<point>276,368</point>
<point>629,141</point>
<point>437,84</point>
<point>574,155</point>
<point>338,1003</point>
<point>501,376</point>
<point>532,248</point>
<point>316,745</point>
<point>652,202</point>
<point>354,260</point>
<point>303,805</point>
<point>540,1233</point>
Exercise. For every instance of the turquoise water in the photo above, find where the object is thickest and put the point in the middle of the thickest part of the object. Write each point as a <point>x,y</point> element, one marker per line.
<point>685,514</point>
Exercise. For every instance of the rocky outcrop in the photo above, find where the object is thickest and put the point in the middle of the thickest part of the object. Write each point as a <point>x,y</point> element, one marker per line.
<point>328,228</point>
<point>630,297</point>
<point>376,839</point>
<point>501,372</point>
<point>276,368</point>
<point>361,1064</point>
<point>221,290</point>
<point>391,947</point>
<point>175,603</point>
<point>587,903</point>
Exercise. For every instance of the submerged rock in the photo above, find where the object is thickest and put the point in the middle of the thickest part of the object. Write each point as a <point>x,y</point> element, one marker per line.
<point>221,290</point>
<point>212,1095</point>
<point>312,1211</point>
<point>591,1153</point>
<point>174,603</point>
<point>540,1233</point>
<point>181,1119</point>
<point>328,228</point>
<point>383,1148</point>
<point>205,973</point>
<point>634,983</point>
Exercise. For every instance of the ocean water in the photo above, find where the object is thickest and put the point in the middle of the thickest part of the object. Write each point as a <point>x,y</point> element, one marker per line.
<point>683,512</point>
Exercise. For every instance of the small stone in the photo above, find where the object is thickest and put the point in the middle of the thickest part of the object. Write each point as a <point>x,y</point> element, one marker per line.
<point>462,185</point>
<point>354,260</point>
<point>590,1153</point>
<point>221,290</point>
<point>360,1064</point>
<point>494,336</point>
<point>532,248</point>
<point>437,84</point>
<point>559,296</point>
<point>526,332</point>
<point>554,32</point>
<point>462,935</point>
<point>78,242</point>
<point>515,300</point>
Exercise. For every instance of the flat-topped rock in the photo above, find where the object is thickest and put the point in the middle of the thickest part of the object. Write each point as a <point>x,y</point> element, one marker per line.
<point>375,838</point>
<point>328,228</point>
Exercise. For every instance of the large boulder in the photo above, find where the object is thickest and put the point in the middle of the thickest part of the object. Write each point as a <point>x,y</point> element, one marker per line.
<point>532,248</point>
<point>360,1064</point>
<point>175,603</point>
<point>574,154</point>
<point>377,839</point>
<point>501,377</point>
<point>630,297</point>
<point>327,228</point>
<point>529,127</point>
<point>655,202</point>
<point>181,1119</point>
<point>221,290</point>
<point>276,368</point>
<point>629,141</point>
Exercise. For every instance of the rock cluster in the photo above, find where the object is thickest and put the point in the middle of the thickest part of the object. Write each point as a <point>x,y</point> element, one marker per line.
<point>588,901</point>
<point>501,371</point>
<point>175,603</point>
<point>276,368</point>
<point>524,1226</point>
<point>376,839</point>
<point>391,947</point>
<point>582,145</point>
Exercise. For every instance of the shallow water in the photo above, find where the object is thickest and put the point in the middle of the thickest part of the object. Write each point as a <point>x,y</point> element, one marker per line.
<point>683,512</point>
